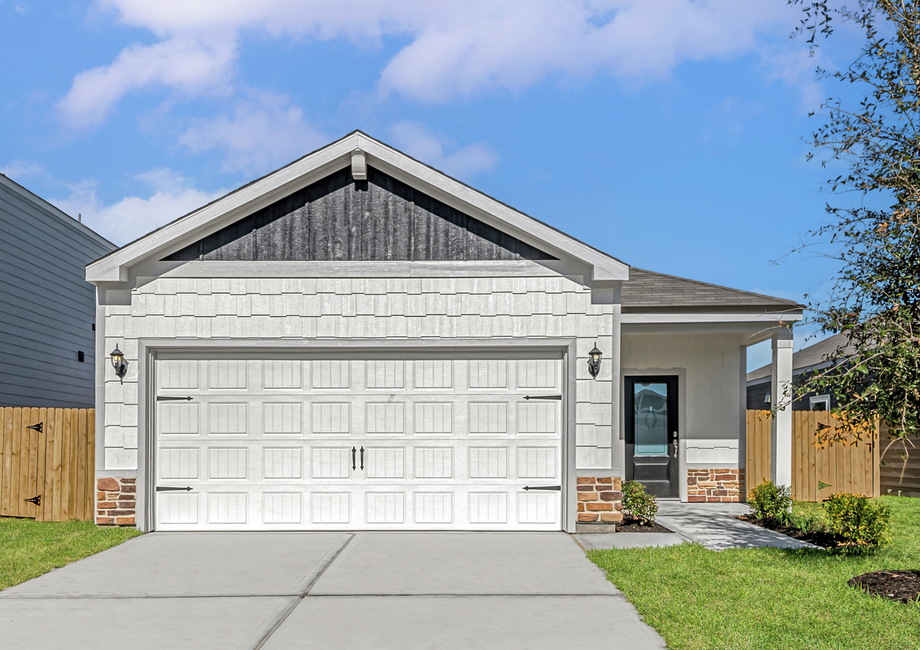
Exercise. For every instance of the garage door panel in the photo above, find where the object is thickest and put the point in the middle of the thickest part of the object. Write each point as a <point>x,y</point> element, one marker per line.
<point>282,463</point>
<point>330,507</point>
<point>537,462</point>
<point>282,508</point>
<point>434,462</point>
<point>331,462</point>
<point>268,443</point>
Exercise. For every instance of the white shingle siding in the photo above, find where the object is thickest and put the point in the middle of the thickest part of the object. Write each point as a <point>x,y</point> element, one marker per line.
<point>361,308</point>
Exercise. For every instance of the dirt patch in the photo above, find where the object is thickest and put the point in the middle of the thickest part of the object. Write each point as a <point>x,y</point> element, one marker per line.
<point>903,586</point>
<point>635,526</point>
<point>817,537</point>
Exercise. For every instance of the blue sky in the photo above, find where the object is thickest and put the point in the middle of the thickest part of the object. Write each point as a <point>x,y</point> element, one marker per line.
<point>668,134</point>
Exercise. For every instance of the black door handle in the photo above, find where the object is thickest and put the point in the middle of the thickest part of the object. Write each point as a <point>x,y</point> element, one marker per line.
<point>362,457</point>
<point>353,452</point>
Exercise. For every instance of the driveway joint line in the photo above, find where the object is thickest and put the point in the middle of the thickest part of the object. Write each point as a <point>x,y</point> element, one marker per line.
<point>294,605</point>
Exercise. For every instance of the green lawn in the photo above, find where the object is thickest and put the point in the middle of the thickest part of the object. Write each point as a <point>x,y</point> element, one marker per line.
<point>29,548</point>
<point>772,599</point>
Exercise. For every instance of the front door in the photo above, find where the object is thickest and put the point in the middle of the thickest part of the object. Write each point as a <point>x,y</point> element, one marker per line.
<point>651,433</point>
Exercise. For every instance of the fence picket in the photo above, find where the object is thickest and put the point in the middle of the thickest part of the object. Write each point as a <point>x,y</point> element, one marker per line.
<point>841,467</point>
<point>57,463</point>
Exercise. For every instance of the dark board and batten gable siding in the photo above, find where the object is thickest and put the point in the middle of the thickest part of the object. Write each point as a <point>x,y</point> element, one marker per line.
<point>340,219</point>
<point>47,309</point>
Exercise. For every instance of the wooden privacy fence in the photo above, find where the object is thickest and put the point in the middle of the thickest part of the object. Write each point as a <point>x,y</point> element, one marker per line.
<point>47,463</point>
<point>817,472</point>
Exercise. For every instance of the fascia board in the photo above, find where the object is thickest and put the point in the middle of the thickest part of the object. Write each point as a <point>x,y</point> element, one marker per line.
<point>712,317</point>
<point>490,211</point>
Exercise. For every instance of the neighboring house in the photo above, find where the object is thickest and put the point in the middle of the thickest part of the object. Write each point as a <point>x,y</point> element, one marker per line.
<point>814,357</point>
<point>357,341</point>
<point>47,308</point>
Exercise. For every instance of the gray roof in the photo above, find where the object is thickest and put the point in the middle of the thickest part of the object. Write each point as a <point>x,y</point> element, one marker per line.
<point>806,358</point>
<point>650,291</point>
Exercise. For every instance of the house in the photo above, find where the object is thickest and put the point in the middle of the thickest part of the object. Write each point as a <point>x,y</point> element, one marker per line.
<point>806,360</point>
<point>358,341</point>
<point>47,309</point>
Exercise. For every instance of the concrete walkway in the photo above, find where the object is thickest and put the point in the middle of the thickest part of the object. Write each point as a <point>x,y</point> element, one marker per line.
<point>714,525</point>
<point>326,590</point>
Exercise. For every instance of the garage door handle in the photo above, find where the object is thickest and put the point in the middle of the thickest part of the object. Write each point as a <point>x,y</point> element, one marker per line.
<point>174,489</point>
<point>362,457</point>
<point>354,465</point>
<point>555,397</point>
<point>166,398</point>
<point>558,488</point>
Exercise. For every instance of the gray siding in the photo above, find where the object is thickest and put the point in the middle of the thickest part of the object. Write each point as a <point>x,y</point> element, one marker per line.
<point>340,219</point>
<point>47,309</point>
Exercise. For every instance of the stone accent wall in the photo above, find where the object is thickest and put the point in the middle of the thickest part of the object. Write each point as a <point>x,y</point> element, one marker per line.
<point>116,501</point>
<point>600,500</point>
<point>715,485</point>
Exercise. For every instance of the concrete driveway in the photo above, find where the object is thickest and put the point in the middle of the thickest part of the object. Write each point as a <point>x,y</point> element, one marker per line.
<point>326,590</point>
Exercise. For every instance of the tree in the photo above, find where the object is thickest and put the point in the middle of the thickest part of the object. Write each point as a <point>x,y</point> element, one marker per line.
<point>875,300</point>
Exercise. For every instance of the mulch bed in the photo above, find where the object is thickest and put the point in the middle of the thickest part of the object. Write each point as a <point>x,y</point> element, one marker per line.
<point>902,586</point>
<point>635,526</point>
<point>816,537</point>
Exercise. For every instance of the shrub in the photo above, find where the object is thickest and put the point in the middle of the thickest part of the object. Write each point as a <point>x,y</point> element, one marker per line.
<point>771,502</point>
<point>858,523</point>
<point>637,503</point>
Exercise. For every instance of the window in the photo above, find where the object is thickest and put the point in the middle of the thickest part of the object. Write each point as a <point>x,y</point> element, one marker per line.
<point>819,403</point>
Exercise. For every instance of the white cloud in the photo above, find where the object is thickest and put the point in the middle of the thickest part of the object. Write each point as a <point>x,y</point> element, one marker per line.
<point>261,134</point>
<point>430,147</point>
<point>192,66</point>
<point>796,67</point>
<point>455,49</point>
<point>17,169</point>
<point>134,216</point>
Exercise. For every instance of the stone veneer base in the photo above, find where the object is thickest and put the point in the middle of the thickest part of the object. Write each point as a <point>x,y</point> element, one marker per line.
<point>600,500</point>
<point>116,501</point>
<point>715,485</point>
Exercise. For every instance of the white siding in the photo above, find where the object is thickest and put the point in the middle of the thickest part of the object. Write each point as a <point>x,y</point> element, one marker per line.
<point>237,309</point>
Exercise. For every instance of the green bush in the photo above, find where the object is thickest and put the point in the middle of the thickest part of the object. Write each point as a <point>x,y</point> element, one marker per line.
<point>771,502</point>
<point>637,503</point>
<point>858,523</point>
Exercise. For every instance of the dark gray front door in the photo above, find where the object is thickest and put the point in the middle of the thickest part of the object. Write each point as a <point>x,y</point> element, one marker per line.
<point>651,433</point>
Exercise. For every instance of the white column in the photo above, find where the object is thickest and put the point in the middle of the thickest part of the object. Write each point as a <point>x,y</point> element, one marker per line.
<point>781,401</point>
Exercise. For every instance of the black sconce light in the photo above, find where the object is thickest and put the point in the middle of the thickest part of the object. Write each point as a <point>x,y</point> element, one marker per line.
<point>594,361</point>
<point>118,362</point>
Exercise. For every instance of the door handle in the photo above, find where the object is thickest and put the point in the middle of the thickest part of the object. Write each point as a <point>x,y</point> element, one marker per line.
<point>353,452</point>
<point>674,439</point>
<point>362,457</point>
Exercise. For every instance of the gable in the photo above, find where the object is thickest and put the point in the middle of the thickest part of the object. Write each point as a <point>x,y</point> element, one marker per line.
<point>340,219</point>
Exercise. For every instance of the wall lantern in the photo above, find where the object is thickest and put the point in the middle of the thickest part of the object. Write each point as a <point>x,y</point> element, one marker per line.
<point>594,361</point>
<point>118,362</point>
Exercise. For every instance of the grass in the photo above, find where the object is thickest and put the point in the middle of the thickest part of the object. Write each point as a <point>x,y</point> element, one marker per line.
<point>771,599</point>
<point>29,548</point>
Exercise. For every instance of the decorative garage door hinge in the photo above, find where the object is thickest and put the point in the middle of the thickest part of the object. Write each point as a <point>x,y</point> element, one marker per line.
<point>543,487</point>
<point>555,397</point>
<point>166,398</point>
<point>36,427</point>
<point>37,500</point>
<point>173,489</point>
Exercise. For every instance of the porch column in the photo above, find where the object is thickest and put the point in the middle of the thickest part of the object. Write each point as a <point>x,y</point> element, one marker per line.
<point>780,400</point>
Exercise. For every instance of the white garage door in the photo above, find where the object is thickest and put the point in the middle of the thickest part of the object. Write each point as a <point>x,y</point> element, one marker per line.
<point>380,443</point>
